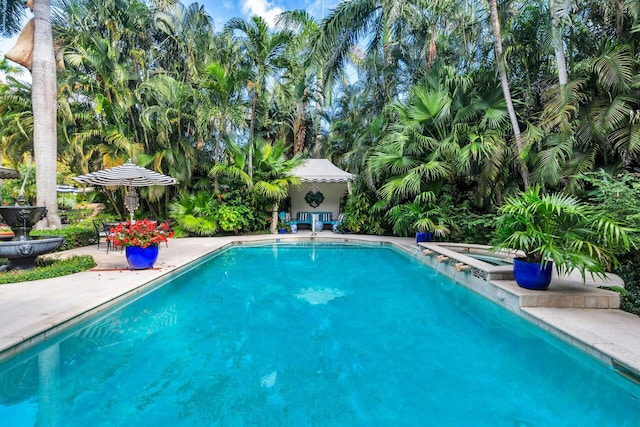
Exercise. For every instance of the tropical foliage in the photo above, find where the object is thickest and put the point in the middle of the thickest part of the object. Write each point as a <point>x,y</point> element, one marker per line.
<point>558,227</point>
<point>441,108</point>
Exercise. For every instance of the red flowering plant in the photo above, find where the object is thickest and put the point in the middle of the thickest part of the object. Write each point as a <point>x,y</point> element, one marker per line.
<point>142,233</point>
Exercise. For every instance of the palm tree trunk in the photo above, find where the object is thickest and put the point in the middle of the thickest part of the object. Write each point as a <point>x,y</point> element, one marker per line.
<point>254,106</point>
<point>556,38</point>
<point>274,218</point>
<point>502,69</point>
<point>44,103</point>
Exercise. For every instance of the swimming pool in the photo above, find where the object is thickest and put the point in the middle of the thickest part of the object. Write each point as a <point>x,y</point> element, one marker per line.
<point>311,335</point>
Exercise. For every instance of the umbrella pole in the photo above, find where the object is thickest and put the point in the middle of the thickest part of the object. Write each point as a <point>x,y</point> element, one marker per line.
<point>131,201</point>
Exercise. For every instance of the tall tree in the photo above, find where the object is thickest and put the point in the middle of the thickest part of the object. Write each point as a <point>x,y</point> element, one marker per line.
<point>43,73</point>
<point>504,82</point>
<point>11,16</point>
<point>381,25</point>
<point>559,10</point>
<point>44,105</point>
<point>265,55</point>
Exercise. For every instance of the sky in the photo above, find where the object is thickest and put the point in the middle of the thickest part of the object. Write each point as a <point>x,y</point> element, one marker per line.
<point>223,10</point>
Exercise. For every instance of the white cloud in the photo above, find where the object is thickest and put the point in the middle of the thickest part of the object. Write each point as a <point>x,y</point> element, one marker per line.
<point>264,8</point>
<point>320,8</point>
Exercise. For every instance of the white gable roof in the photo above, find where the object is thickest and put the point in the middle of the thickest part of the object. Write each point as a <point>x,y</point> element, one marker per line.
<point>321,170</point>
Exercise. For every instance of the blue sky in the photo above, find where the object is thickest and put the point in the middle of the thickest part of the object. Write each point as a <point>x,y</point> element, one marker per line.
<point>223,10</point>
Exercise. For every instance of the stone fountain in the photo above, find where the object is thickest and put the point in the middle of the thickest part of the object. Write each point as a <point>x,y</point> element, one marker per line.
<point>23,249</point>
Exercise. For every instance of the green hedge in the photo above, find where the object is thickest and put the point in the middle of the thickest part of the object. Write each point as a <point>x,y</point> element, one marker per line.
<point>629,271</point>
<point>47,268</point>
<point>74,237</point>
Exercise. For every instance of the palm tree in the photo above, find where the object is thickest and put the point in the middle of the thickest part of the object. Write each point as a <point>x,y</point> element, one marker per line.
<point>12,15</point>
<point>272,167</point>
<point>16,132</point>
<point>504,82</point>
<point>272,179</point>
<point>265,55</point>
<point>380,24</point>
<point>44,105</point>
<point>559,11</point>
<point>308,85</point>
<point>221,106</point>
<point>186,33</point>
<point>43,74</point>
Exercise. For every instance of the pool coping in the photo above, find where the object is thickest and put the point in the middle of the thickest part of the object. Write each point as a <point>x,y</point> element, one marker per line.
<point>32,312</point>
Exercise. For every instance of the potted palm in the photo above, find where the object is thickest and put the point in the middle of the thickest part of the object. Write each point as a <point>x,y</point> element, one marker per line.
<point>558,230</point>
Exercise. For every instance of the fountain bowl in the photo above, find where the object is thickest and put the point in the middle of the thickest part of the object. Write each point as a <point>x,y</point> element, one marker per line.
<point>22,254</point>
<point>22,250</point>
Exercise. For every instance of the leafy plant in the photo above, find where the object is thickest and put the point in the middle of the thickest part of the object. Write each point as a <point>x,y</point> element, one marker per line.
<point>472,227</point>
<point>359,216</point>
<point>619,195</point>
<point>194,214</point>
<point>630,294</point>
<point>558,227</point>
<point>205,214</point>
<point>233,218</point>
<point>408,217</point>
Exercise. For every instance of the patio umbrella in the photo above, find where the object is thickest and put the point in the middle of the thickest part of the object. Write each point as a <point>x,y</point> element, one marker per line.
<point>6,173</point>
<point>65,189</point>
<point>129,175</point>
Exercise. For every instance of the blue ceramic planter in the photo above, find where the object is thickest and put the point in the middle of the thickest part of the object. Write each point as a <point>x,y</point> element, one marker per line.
<point>141,258</point>
<point>530,275</point>
<point>424,236</point>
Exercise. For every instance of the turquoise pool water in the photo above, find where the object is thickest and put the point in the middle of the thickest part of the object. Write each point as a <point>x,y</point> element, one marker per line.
<point>303,335</point>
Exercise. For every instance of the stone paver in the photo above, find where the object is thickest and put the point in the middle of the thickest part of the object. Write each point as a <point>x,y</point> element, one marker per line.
<point>32,311</point>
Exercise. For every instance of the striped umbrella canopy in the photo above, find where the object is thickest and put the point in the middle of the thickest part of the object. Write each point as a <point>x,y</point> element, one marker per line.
<point>6,173</point>
<point>129,175</point>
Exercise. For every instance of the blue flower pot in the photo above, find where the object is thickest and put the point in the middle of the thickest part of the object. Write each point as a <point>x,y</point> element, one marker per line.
<point>424,236</point>
<point>141,258</point>
<point>282,231</point>
<point>531,275</point>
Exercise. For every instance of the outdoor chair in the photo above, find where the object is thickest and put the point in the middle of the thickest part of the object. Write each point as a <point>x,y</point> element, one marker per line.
<point>102,231</point>
<point>337,223</point>
<point>168,221</point>
<point>285,218</point>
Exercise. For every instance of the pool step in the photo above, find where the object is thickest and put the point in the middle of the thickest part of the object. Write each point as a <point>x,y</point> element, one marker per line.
<point>562,295</point>
<point>497,284</point>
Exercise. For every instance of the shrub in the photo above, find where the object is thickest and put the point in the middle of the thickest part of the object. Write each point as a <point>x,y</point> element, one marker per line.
<point>472,227</point>
<point>234,218</point>
<point>74,237</point>
<point>359,215</point>
<point>629,271</point>
<point>47,268</point>
<point>206,214</point>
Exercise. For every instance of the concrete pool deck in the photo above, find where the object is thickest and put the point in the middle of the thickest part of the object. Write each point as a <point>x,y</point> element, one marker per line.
<point>30,312</point>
